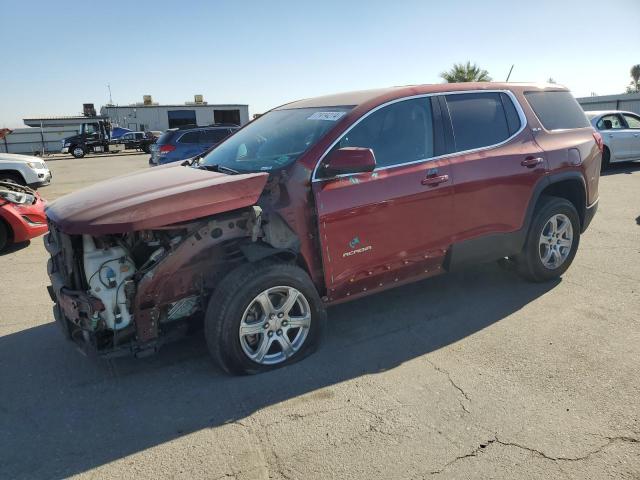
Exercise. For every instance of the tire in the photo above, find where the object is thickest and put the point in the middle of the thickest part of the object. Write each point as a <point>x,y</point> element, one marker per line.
<point>530,262</point>
<point>146,148</point>
<point>12,178</point>
<point>606,159</point>
<point>77,151</point>
<point>4,236</point>
<point>236,301</point>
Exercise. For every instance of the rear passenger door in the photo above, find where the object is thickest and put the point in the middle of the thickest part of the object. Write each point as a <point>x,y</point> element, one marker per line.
<point>213,137</point>
<point>495,163</point>
<point>618,138</point>
<point>633,125</point>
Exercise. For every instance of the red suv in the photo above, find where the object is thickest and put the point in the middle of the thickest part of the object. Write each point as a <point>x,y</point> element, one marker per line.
<point>317,202</point>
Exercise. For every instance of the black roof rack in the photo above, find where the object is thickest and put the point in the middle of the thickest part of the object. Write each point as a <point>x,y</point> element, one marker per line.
<point>223,125</point>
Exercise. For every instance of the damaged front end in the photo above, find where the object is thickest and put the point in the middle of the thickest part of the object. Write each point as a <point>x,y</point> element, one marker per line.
<point>131,292</point>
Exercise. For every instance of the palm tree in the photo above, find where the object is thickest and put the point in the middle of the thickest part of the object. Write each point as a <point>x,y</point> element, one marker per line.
<point>465,73</point>
<point>635,74</point>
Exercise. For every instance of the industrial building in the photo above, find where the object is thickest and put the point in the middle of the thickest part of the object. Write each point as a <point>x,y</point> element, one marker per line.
<point>148,115</point>
<point>629,102</point>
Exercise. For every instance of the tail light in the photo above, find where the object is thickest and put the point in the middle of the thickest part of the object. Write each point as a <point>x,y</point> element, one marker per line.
<point>598,138</point>
<point>164,149</point>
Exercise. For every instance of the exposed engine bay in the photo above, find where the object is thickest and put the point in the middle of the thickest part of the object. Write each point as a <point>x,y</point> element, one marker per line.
<point>131,292</point>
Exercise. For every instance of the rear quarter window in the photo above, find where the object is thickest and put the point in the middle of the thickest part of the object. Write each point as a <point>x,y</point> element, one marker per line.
<point>167,137</point>
<point>557,110</point>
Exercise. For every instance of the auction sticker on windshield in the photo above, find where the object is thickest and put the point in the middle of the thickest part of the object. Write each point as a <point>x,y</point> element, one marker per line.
<point>330,116</point>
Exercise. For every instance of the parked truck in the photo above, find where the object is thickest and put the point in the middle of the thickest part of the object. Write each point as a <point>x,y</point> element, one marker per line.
<point>94,137</point>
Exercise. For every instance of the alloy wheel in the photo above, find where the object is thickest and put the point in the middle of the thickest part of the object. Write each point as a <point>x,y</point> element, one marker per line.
<point>556,240</point>
<point>275,325</point>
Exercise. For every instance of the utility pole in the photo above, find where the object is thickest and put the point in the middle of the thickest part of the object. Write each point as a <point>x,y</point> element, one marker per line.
<point>110,99</point>
<point>510,70</point>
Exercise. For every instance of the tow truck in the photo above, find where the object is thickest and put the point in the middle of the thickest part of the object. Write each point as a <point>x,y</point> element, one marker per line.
<point>94,137</point>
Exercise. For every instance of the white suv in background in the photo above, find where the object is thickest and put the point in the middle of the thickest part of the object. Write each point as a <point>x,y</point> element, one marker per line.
<point>24,169</point>
<point>621,135</point>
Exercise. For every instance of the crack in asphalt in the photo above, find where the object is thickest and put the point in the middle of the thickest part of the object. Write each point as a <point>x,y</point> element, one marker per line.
<point>454,384</point>
<point>540,453</point>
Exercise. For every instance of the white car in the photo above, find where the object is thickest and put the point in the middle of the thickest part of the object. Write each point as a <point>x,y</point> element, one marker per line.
<point>24,169</point>
<point>621,135</point>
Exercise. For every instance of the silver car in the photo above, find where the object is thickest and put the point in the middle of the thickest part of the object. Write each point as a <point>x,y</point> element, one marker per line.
<point>621,135</point>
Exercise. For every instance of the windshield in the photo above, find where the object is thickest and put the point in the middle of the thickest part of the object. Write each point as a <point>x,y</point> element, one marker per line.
<point>275,140</point>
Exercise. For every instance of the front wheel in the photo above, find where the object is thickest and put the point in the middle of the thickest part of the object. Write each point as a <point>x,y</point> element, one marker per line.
<point>552,241</point>
<point>4,236</point>
<point>77,151</point>
<point>263,316</point>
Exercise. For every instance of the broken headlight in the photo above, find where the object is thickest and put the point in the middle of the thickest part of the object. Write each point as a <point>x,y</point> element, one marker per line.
<point>17,197</point>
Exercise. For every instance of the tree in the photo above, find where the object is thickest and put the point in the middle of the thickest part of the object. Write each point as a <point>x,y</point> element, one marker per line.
<point>635,83</point>
<point>465,73</point>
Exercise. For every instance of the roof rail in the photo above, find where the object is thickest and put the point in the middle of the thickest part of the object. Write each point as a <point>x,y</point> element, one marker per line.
<point>223,125</point>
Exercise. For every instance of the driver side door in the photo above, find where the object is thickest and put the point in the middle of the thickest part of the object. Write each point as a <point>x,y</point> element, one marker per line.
<point>393,225</point>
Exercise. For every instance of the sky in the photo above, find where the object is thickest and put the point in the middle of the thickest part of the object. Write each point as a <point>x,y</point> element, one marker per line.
<point>58,55</point>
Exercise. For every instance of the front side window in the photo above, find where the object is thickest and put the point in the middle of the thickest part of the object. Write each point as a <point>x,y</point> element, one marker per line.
<point>480,120</point>
<point>276,139</point>
<point>632,120</point>
<point>610,122</point>
<point>398,133</point>
<point>557,110</point>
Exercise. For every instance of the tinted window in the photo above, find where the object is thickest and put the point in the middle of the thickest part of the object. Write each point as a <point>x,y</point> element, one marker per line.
<point>632,120</point>
<point>139,136</point>
<point>399,133</point>
<point>557,110</point>
<point>478,120</point>
<point>513,119</point>
<point>190,137</point>
<point>214,136</point>
<point>610,122</point>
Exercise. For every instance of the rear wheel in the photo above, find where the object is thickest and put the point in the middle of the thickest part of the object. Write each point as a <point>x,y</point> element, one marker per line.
<point>78,151</point>
<point>552,241</point>
<point>263,316</point>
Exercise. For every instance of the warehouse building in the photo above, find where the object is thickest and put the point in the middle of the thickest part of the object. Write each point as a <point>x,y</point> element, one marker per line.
<point>629,102</point>
<point>149,115</point>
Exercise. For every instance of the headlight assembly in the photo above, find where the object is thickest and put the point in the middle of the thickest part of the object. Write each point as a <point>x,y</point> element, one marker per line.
<point>17,197</point>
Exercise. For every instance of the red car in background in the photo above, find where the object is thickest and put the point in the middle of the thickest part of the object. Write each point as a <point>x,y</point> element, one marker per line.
<point>21,214</point>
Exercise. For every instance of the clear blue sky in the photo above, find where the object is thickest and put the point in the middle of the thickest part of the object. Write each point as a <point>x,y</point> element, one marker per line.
<point>58,55</point>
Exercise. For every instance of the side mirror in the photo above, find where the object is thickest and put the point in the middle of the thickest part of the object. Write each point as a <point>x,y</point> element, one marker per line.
<point>350,160</point>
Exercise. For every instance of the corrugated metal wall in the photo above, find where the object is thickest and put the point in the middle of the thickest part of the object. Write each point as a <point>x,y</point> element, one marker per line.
<point>628,102</point>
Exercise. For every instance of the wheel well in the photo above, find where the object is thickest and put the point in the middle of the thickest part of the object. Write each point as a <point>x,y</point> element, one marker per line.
<point>14,173</point>
<point>572,190</point>
<point>7,228</point>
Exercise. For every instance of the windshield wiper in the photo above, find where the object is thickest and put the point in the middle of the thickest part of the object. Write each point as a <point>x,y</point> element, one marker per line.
<point>218,168</point>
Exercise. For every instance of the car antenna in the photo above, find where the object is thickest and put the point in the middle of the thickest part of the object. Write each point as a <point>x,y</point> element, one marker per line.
<point>510,70</point>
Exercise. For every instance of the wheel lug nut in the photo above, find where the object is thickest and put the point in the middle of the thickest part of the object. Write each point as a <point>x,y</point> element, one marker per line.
<point>285,323</point>
<point>272,316</point>
<point>270,334</point>
<point>280,315</point>
<point>279,332</point>
<point>266,325</point>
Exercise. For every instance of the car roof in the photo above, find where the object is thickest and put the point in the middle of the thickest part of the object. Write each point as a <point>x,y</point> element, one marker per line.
<point>597,113</point>
<point>382,95</point>
<point>17,157</point>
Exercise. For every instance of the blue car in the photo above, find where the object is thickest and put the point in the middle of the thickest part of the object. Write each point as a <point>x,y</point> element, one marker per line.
<point>178,144</point>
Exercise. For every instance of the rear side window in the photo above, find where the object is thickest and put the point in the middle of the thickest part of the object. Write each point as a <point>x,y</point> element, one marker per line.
<point>214,136</point>
<point>632,121</point>
<point>557,110</point>
<point>479,119</point>
<point>610,122</point>
<point>190,137</point>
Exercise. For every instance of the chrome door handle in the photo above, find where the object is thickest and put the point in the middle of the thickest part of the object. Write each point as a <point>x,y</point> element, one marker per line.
<point>531,162</point>
<point>435,180</point>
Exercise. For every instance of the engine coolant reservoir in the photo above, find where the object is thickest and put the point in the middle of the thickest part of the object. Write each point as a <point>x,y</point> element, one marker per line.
<point>106,271</point>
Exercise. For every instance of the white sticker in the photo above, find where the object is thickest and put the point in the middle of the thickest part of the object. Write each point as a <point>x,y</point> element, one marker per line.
<point>330,116</point>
